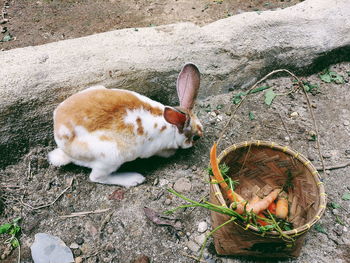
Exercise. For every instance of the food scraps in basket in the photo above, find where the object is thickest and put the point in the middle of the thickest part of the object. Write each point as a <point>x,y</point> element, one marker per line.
<point>256,207</point>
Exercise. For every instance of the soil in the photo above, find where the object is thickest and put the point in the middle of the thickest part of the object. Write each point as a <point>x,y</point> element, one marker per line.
<point>123,233</point>
<point>39,22</point>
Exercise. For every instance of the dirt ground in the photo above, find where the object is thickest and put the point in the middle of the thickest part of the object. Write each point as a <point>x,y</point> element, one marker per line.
<point>119,231</point>
<point>123,232</point>
<point>39,22</point>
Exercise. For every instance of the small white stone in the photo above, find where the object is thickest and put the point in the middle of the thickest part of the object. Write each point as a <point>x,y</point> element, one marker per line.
<point>74,245</point>
<point>219,118</point>
<point>163,182</point>
<point>202,227</point>
<point>294,114</point>
<point>346,123</point>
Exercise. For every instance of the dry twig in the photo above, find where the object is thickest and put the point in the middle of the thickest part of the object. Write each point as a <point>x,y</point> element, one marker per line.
<point>334,167</point>
<point>86,213</point>
<point>70,182</point>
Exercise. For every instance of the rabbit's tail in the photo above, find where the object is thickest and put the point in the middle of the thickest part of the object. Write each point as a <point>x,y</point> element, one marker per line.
<point>57,157</point>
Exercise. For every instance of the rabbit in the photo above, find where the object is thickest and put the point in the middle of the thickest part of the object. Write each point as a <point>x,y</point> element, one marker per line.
<point>102,128</point>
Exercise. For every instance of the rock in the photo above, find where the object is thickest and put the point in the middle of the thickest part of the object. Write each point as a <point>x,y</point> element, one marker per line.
<point>141,61</point>
<point>163,182</point>
<point>110,230</point>
<point>202,227</point>
<point>200,239</point>
<point>346,123</point>
<point>167,201</point>
<point>73,245</point>
<point>182,185</point>
<point>294,114</point>
<point>193,246</point>
<point>48,248</point>
<point>77,252</point>
<point>79,241</point>
<point>142,259</point>
<point>89,227</point>
<point>78,260</point>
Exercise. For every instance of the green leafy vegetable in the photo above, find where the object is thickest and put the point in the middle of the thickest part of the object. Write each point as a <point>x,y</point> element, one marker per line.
<point>7,38</point>
<point>12,229</point>
<point>238,97</point>
<point>346,196</point>
<point>311,88</point>
<point>269,97</point>
<point>331,76</point>
<point>335,205</point>
<point>5,228</point>
<point>319,228</point>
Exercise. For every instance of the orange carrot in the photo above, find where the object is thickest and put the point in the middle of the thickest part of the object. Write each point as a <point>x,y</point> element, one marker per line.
<point>272,208</point>
<point>231,195</point>
<point>264,203</point>
<point>260,221</point>
<point>282,206</point>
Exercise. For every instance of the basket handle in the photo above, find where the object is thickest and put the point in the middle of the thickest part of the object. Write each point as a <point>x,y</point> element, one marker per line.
<point>300,85</point>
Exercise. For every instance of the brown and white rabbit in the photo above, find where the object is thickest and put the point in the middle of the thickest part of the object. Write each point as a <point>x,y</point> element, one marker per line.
<point>103,128</point>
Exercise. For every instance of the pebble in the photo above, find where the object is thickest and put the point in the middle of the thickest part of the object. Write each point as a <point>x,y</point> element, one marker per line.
<point>200,239</point>
<point>194,168</point>
<point>193,246</point>
<point>142,259</point>
<point>110,248</point>
<point>294,114</point>
<point>202,227</point>
<point>77,252</point>
<point>79,240</point>
<point>163,182</point>
<point>339,229</point>
<point>110,230</point>
<point>182,185</point>
<point>74,245</point>
<point>346,123</point>
<point>78,260</point>
<point>156,181</point>
<point>327,155</point>
<point>167,201</point>
<point>219,118</point>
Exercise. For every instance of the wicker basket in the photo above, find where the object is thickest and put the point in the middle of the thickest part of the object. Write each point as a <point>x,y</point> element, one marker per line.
<point>261,166</point>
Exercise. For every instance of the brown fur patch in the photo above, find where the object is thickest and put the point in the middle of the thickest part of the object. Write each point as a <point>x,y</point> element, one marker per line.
<point>163,128</point>
<point>139,126</point>
<point>100,109</point>
<point>105,138</point>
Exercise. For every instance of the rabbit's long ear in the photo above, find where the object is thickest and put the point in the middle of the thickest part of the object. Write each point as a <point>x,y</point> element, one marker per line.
<point>175,117</point>
<point>187,85</point>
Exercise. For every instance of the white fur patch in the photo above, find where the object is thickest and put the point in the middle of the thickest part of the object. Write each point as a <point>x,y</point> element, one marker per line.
<point>64,131</point>
<point>58,158</point>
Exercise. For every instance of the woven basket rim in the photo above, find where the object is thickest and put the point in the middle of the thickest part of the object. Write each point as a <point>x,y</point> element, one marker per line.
<point>307,163</point>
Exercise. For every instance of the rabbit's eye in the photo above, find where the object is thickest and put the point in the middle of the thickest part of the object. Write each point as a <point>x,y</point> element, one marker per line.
<point>196,138</point>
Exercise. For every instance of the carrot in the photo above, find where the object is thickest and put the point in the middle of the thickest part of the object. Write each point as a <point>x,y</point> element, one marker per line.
<point>231,195</point>
<point>282,206</point>
<point>260,221</point>
<point>264,203</point>
<point>272,208</point>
